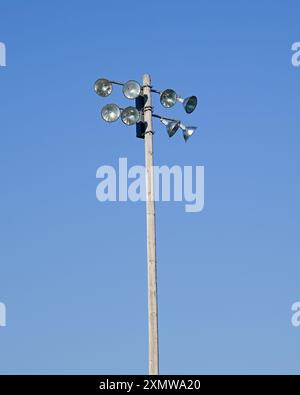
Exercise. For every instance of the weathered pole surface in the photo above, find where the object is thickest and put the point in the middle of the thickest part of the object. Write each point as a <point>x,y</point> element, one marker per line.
<point>151,236</point>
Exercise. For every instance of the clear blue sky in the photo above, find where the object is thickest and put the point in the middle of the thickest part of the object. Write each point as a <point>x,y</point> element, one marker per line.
<point>73,270</point>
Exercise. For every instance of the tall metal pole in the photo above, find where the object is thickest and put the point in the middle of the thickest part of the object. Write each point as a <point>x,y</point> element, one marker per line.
<point>151,238</point>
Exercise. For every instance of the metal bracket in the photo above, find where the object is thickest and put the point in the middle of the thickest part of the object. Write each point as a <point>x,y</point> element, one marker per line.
<point>149,131</point>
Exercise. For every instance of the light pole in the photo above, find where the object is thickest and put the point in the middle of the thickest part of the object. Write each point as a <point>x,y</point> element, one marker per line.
<point>141,115</point>
<point>151,237</point>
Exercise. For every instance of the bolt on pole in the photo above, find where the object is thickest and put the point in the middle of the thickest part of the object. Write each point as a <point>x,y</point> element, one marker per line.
<point>151,236</point>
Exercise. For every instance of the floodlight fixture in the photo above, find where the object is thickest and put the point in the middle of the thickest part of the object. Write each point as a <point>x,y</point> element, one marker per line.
<point>171,126</point>
<point>132,89</point>
<point>103,87</point>
<point>110,112</point>
<point>189,104</point>
<point>130,115</point>
<point>188,131</point>
<point>169,97</point>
